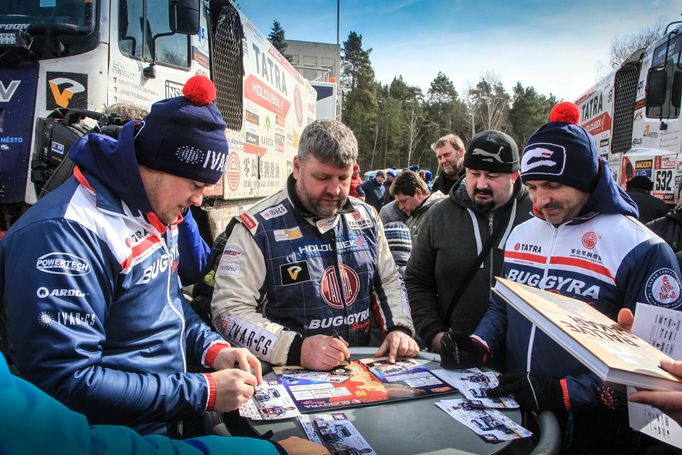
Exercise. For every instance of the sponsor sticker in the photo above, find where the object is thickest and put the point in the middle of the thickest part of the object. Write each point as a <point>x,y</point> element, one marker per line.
<point>357,220</point>
<point>274,212</point>
<point>663,288</point>
<point>282,235</point>
<point>589,240</point>
<point>232,251</point>
<point>63,264</point>
<point>247,335</point>
<point>248,222</point>
<point>229,268</point>
<point>66,90</point>
<point>44,292</point>
<point>294,273</point>
<point>335,294</point>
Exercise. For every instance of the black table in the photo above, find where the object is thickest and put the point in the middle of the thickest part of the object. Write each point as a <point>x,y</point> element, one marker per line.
<point>404,427</point>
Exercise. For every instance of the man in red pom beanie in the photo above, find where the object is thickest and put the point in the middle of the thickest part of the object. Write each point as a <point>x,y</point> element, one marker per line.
<point>96,315</point>
<point>584,242</point>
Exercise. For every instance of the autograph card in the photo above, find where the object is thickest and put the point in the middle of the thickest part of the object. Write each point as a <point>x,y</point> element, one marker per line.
<point>335,432</point>
<point>271,401</point>
<point>474,384</point>
<point>491,425</point>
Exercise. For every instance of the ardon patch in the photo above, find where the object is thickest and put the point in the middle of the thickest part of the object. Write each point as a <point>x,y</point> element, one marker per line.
<point>663,288</point>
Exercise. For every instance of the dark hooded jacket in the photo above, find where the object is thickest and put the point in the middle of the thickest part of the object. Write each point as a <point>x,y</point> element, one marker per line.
<point>96,314</point>
<point>450,239</point>
<point>603,256</point>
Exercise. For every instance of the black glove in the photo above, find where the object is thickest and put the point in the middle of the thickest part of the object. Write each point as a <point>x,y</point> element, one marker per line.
<point>458,350</point>
<point>533,393</point>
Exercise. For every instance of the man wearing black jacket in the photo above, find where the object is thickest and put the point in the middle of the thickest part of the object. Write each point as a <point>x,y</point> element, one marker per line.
<point>449,151</point>
<point>490,198</point>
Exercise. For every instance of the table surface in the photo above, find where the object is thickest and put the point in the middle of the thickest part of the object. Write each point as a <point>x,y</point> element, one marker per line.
<point>404,427</point>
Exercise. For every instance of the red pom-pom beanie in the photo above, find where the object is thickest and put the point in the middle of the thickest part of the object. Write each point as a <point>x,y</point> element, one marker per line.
<point>185,135</point>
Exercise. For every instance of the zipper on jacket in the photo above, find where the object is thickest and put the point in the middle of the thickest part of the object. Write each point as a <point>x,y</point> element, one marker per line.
<point>170,302</point>
<point>491,217</point>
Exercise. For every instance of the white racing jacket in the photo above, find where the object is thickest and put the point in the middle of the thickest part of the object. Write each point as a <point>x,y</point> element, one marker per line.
<point>285,273</point>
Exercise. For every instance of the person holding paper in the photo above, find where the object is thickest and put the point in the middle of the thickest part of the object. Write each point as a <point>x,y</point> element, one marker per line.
<point>584,242</point>
<point>668,402</point>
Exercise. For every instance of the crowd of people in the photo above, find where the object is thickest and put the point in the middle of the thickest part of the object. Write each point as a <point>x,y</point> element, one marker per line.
<point>96,316</point>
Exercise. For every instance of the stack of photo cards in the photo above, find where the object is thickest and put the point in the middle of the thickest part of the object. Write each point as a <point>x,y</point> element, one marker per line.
<point>336,433</point>
<point>474,384</point>
<point>491,425</point>
<point>271,401</point>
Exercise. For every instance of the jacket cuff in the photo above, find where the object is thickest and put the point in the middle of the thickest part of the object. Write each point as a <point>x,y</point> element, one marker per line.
<point>294,356</point>
<point>402,329</point>
<point>210,402</point>
<point>212,352</point>
<point>564,393</point>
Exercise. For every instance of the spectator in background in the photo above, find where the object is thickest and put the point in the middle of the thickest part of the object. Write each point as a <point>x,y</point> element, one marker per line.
<point>390,177</point>
<point>356,184</point>
<point>374,190</point>
<point>428,178</point>
<point>449,151</point>
<point>639,189</point>
<point>399,242</point>
<point>414,199</point>
<point>391,212</point>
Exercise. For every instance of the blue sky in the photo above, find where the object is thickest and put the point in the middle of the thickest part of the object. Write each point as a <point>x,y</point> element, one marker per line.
<point>556,46</point>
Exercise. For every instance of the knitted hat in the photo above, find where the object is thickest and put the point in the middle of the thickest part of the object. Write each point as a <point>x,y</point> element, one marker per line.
<point>185,135</point>
<point>391,172</point>
<point>561,151</point>
<point>399,241</point>
<point>492,151</point>
<point>356,167</point>
<point>380,174</point>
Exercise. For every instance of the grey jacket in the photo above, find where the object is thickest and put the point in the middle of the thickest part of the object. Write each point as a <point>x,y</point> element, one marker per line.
<point>450,239</point>
<point>415,220</point>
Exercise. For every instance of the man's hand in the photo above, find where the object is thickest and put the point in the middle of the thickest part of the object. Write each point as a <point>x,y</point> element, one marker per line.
<point>398,344</point>
<point>232,387</point>
<point>322,352</point>
<point>299,446</point>
<point>435,342</point>
<point>239,358</point>
<point>458,350</point>
<point>533,393</point>
<point>668,402</point>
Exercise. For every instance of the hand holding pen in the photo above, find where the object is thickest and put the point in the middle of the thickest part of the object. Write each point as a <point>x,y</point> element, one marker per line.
<point>336,335</point>
<point>324,352</point>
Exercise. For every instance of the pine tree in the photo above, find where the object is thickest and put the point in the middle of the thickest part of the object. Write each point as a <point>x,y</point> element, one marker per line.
<point>277,38</point>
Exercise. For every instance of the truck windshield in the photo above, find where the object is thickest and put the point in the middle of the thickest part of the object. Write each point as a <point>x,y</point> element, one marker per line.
<point>46,13</point>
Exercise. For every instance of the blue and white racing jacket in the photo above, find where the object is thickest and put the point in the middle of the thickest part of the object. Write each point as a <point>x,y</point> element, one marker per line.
<point>284,273</point>
<point>609,260</point>
<point>95,312</point>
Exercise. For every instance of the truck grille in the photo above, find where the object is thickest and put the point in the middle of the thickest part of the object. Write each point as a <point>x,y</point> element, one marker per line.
<point>625,91</point>
<point>228,69</point>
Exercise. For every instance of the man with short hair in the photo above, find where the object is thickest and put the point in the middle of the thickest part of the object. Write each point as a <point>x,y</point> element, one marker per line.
<point>374,190</point>
<point>449,151</point>
<point>447,288</point>
<point>413,198</point>
<point>584,242</point>
<point>100,321</point>
<point>303,271</point>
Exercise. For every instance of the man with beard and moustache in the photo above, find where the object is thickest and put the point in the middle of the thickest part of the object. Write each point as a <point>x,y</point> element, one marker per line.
<point>584,242</point>
<point>488,198</point>
<point>449,151</point>
<point>301,270</point>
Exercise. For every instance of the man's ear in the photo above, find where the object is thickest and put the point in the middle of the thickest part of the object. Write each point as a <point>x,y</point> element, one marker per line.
<point>297,167</point>
<point>515,175</point>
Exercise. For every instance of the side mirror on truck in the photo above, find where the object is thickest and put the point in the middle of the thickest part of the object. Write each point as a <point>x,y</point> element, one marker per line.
<point>183,16</point>
<point>656,86</point>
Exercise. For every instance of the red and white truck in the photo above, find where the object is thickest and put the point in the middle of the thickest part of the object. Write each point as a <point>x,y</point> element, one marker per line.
<point>80,56</point>
<point>634,115</point>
